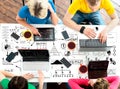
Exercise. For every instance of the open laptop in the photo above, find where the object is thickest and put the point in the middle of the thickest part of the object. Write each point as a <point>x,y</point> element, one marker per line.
<point>97,69</point>
<point>93,45</point>
<point>47,34</point>
<point>34,60</point>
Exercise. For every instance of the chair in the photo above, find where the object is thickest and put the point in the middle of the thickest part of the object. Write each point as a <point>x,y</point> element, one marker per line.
<point>23,2</point>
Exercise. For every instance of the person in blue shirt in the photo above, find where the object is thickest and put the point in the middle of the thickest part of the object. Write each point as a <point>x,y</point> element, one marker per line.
<point>37,12</point>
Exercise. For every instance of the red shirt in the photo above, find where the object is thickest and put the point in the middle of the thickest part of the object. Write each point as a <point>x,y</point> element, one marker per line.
<point>76,83</point>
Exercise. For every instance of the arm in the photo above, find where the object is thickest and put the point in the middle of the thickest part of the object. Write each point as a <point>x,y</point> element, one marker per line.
<point>54,17</point>
<point>6,74</point>
<point>67,20</point>
<point>24,23</point>
<point>41,79</point>
<point>114,81</point>
<point>2,76</point>
<point>114,21</point>
<point>76,83</point>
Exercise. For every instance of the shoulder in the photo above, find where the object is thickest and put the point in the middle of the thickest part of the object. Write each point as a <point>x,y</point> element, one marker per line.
<point>106,3</point>
<point>31,86</point>
<point>23,8</point>
<point>4,82</point>
<point>51,1</point>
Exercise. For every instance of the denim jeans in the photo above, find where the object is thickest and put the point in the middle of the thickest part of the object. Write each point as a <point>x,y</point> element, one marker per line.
<point>95,18</point>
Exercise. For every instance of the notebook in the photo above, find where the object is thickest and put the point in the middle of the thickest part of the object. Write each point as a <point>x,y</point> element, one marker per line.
<point>93,45</point>
<point>47,34</point>
<point>97,69</point>
<point>34,60</point>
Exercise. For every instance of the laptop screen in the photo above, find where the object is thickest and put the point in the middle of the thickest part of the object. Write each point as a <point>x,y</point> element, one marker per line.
<point>34,54</point>
<point>47,34</point>
<point>97,69</point>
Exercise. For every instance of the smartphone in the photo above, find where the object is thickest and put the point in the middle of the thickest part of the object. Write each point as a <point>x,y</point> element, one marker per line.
<point>14,35</point>
<point>65,34</point>
<point>65,62</point>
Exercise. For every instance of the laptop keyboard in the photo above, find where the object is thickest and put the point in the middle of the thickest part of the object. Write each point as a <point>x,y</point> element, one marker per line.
<point>91,43</point>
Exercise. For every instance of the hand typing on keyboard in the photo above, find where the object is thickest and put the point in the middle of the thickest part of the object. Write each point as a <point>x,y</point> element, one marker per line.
<point>32,74</point>
<point>103,36</point>
<point>28,76</point>
<point>89,32</point>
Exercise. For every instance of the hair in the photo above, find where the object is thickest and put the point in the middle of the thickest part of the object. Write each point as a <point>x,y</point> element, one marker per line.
<point>93,2</point>
<point>101,84</point>
<point>36,7</point>
<point>18,82</point>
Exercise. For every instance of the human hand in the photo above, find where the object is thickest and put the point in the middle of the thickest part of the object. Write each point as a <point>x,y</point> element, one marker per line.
<point>35,31</point>
<point>92,81</point>
<point>90,33</point>
<point>103,36</point>
<point>41,76</point>
<point>28,76</point>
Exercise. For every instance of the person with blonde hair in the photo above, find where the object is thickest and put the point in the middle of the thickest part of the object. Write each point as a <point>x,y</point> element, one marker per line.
<point>37,12</point>
<point>101,84</point>
<point>111,82</point>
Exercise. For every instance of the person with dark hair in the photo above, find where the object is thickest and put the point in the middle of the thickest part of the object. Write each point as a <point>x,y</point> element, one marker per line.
<point>37,12</point>
<point>89,10</point>
<point>111,82</point>
<point>19,82</point>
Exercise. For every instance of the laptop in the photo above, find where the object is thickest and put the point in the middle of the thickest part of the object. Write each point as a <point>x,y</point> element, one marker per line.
<point>34,60</point>
<point>93,45</point>
<point>97,69</point>
<point>47,34</point>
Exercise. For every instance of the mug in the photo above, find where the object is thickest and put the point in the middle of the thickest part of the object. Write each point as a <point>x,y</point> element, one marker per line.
<point>83,68</point>
<point>71,45</point>
<point>27,34</point>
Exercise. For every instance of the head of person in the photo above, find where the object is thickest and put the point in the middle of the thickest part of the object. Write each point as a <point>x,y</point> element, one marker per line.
<point>94,5</point>
<point>18,82</point>
<point>38,8</point>
<point>99,83</point>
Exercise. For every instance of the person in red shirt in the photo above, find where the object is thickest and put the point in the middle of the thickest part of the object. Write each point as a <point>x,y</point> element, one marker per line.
<point>111,82</point>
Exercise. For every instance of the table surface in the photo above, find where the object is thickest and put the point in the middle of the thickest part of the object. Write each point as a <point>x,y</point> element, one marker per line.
<point>58,49</point>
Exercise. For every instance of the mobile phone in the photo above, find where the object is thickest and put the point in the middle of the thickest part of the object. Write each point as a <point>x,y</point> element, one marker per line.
<point>65,34</point>
<point>14,35</point>
<point>65,62</point>
<point>11,56</point>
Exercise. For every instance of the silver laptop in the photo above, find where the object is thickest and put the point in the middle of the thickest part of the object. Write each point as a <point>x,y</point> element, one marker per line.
<point>34,60</point>
<point>93,45</point>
